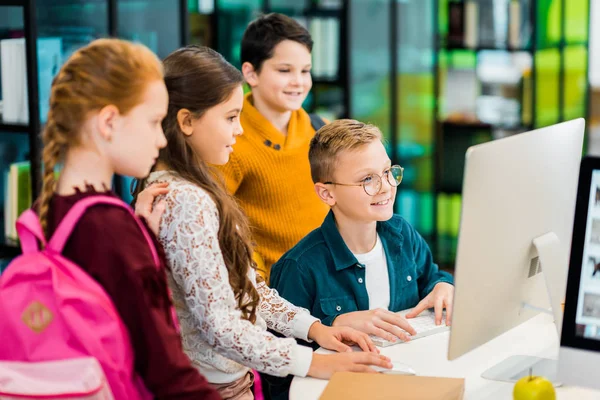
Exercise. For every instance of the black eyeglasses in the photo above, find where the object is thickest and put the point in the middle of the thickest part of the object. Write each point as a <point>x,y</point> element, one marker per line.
<point>372,183</point>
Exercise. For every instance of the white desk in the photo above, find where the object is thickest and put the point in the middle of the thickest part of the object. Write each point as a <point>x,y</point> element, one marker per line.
<point>428,357</point>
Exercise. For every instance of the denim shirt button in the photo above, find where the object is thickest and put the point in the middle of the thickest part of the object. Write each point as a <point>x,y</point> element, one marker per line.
<point>409,278</point>
<point>338,308</point>
<point>360,280</point>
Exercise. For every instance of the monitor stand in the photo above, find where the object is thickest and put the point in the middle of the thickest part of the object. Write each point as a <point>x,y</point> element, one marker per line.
<point>555,275</point>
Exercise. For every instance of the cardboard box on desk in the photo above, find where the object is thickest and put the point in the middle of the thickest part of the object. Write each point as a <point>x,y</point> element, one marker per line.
<point>358,386</point>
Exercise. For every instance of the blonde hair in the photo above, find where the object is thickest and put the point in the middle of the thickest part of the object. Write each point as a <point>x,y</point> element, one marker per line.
<point>105,72</point>
<point>334,138</point>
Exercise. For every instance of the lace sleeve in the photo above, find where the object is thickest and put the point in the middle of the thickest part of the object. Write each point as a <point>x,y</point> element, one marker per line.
<point>281,315</point>
<point>189,231</point>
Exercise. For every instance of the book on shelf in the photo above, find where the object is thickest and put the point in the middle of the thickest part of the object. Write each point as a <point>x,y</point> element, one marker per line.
<point>456,24</point>
<point>17,196</point>
<point>479,23</point>
<point>325,33</point>
<point>201,6</point>
<point>14,77</point>
<point>14,81</point>
<point>471,20</point>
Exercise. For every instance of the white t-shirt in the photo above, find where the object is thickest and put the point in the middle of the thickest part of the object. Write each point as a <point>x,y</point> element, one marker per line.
<point>376,276</point>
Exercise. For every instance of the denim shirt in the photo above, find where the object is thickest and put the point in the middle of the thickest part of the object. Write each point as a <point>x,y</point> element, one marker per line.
<point>322,275</point>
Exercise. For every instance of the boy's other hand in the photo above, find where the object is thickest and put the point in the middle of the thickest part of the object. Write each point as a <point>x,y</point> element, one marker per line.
<point>379,322</point>
<point>440,297</point>
<point>145,207</point>
<point>338,338</point>
<point>323,366</point>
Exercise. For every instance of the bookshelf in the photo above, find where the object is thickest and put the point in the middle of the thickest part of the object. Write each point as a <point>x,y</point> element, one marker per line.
<point>220,24</point>
<point>519,65</point>
<point>51,31</point>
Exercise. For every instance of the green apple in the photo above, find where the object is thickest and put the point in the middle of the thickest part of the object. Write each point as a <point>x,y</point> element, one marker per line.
<point>533,388</point>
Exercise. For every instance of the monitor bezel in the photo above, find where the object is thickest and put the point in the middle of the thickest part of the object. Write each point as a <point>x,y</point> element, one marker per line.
<point>569,337</point>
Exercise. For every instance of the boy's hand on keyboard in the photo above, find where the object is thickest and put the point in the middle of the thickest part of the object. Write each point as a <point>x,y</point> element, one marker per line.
<point>440,298</point>
<point>337,338</point>
<point>323,366</point>
<point>382,323</point>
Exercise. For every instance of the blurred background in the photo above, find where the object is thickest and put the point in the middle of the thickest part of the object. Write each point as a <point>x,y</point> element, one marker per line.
<point>437,76</point>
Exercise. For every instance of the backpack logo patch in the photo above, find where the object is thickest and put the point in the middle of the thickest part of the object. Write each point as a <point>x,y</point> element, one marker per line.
<point>37,316</point>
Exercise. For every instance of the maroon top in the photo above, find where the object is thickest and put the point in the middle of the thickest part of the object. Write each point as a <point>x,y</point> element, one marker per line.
<point>109,246</point>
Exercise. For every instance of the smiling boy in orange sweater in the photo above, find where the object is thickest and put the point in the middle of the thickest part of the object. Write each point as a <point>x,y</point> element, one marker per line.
<point>268,172</point>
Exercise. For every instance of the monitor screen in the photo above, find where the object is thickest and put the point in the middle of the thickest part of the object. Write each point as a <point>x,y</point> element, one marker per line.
<point>587,317</point>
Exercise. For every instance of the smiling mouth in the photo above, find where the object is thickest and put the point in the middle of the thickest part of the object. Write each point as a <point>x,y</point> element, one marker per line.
<point>381,203</point>
<point>296,94</point>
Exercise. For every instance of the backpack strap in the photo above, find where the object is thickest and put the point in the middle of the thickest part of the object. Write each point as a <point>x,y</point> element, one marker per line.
<point>30,231</point>
<point>65,228</point>
<point>316,122</point>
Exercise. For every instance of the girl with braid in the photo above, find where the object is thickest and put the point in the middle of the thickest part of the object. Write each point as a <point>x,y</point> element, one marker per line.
<point>106,108</point>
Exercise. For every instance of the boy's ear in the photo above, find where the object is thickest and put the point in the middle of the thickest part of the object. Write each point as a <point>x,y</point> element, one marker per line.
<point>325,194</point>
<point>250,74</point>
<point>184,119</point>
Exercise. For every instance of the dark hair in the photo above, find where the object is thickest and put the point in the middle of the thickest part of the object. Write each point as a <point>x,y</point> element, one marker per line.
<point>197,79</point>
<point>266,32</point>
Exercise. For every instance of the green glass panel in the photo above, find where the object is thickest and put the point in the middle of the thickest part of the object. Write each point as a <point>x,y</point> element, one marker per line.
<point>63,27</point>
<point>548,23</point>
<point>192,6</point>
<point>11,20</point>
<point>547,64</point>
<point>289,7</point>
<point>370,63</point>
<point>154,23</point>
<point>575,86</point>
<point>576,21</point>
<point>443,17</point>
<point>233,18</point>
<point>415,35</point>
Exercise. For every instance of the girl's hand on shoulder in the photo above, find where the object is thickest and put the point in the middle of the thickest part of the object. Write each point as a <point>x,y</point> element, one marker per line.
<point>145,207</point>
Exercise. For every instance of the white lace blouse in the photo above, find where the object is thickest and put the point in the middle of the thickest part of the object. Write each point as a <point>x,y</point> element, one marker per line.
<point>218,341</point>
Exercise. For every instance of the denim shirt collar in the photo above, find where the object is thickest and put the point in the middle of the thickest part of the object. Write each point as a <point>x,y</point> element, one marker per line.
<point>391,238</point>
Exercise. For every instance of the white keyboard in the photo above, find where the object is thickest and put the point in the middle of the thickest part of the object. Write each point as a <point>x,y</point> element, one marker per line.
<point>424,324</point>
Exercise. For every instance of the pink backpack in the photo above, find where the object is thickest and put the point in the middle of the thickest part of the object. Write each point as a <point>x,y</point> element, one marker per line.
<point>53,310</point>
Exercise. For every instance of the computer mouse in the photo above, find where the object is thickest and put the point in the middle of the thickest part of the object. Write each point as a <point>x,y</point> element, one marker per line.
<point>397,369</point>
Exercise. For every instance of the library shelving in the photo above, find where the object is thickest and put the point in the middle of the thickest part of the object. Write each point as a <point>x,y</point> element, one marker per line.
<point>36,37</point>
<point>519,65</point>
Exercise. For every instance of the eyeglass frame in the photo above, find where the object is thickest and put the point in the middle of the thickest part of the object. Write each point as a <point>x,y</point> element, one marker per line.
<point>373,175</point>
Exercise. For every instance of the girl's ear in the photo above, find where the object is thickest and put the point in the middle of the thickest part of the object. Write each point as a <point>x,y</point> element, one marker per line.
<point>107,121</point>
<point>325,194</point>
<point>185,119</point>
<point>250,74</point>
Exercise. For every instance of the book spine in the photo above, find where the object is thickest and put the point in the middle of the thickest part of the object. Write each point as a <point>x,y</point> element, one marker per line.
<point>471,23</point>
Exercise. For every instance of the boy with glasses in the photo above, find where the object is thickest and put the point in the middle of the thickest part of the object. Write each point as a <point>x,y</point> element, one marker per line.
<point>364,263</point>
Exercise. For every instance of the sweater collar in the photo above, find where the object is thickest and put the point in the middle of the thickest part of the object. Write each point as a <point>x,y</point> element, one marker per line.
<point>271,136</point>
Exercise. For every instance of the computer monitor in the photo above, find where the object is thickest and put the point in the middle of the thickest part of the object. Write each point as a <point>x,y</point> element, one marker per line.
<point>579,353</point>
<point>516,221</point>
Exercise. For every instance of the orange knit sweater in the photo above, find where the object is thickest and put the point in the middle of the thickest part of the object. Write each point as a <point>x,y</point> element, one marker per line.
<point>269,175</point>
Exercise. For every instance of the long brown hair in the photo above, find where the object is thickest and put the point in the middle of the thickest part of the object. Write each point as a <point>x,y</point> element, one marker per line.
<point>198,79</point>
<point>105,72</point>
